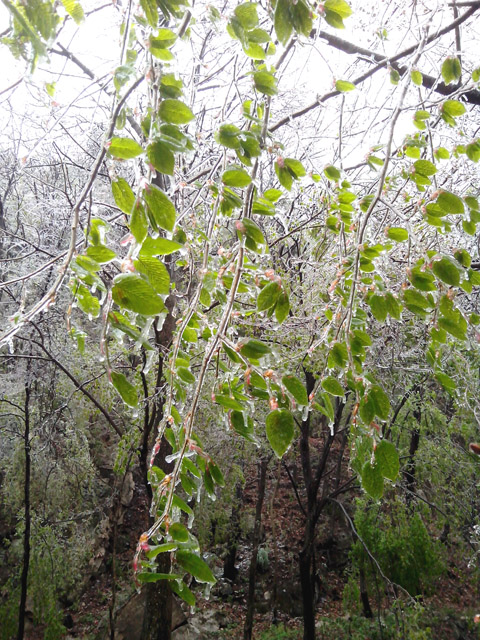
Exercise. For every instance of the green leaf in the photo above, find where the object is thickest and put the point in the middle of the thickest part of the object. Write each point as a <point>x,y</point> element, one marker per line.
<point>125,389</point>
<point>268,296</point>
<point>236,177</point>
<point>393,306</point>
<point>160,157</point>
<point>150,576</point>
<point>164,39</point>
<point>473,151</point>
<point>131,291</point>
<point>123,195</point>
<point>254,349</point>
<point>197,567</point>
<point>283,22</point>
<point>296,388</point>
<point>186,375</point>
<point>372,481</point>
<point>100,253</point>
<point>338,355</point>
<point>280,430</point>
<point>253,231</point>
<point>332,173</point>
<point>227,402</point>
<point>455,324</point>
<point>284,176</point>
<point>421,279</point>
<point>344,86</point>
<point>417,77</point>
<point>74,10</point>
<point>178,532</point>
<point>425,167</point>
<point>175,112</point>
<point>182,592</point>
<point>124,148</point>
<point>447,271</point>
<point>387,460</point>
<point>378,305</point>
<point>242,427</point>
<point>451,69</point>
<point>340,7</point>
<point>227,136</point>
<point>380,401</point>
<point>87,302</point>
<point>397,234</point>
<point>453,108</point>
<point>265,83</point>
<point>159,247</point>
<point>247,15</point>
<point>446,381</point>
<point>295,167</point>
<point>367,409</point>
<point>450,203</point>
<point>151,13</point>
<point>332,386</point>
<point>156,273</point>
<point>160,207</point>
<point>138,222</point>
<point>282,307</point>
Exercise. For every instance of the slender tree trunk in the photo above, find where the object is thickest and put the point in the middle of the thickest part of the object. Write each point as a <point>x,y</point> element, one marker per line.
<point>229,571</point>
<point>26,534</point>
<point>262,476</point>
<point>367,609</point>
<point>157,619</point>
<point>307,581</point>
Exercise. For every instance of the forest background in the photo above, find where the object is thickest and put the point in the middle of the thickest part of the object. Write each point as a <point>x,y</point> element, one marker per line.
<point>239,264</point>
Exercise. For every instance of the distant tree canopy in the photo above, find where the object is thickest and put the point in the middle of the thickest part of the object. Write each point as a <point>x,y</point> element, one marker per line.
<point>254,224</point>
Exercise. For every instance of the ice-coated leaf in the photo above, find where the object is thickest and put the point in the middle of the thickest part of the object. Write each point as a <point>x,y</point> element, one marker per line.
<point>380,401</point>
<point>447,271</point>
<point>124,148</point>
<point>156,273</point>
<point>159,247</point>
<point>178,532</point>
<point>175,112</point>
<point>236,177</point>
<point>268,296</point>
<point>161,158</point>
<point>344,86</point>
<point>451,69</point>
<point>397,234</point>
<point>125,389</point>
<point>247,15</point>
<point>450,203</point>
<point>131,291</point>
<point>197,567</point>
<point>372,480</point>
<point>283,21</point>
<point>282,307</point>
<point>100,253</point>
<point>160,206</point>
<point>296,388</point>
<point>123,195</point>
<point>387,460</point>
<point>254,349</point>
<point>332,386</point>
<point>280,428</point>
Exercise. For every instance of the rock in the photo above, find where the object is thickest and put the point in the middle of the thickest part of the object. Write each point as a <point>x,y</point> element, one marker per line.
<point>223,588</point>
<point>202,626</point>
<point>128,488</point>
<point>130,617</point>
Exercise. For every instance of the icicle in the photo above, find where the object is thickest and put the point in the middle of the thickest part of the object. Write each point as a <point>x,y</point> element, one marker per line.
<point>305,413</point>
<point>11,348</point>
<point>206,593</point>
<point>331,426</point>
<point>90,317</point>
<point>191,518</point>
<point>93,288</point>
<point>172,457</point>
<point>149,361</point>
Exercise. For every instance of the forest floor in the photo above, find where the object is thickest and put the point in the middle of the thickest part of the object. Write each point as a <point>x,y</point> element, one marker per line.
<point>449,609</point>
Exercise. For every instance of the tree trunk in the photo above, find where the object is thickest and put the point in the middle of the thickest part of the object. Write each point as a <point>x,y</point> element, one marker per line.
<point>307,582</point>
<point>262,476</point>
<point>367,609</point>
<point>157,619</point>
<point>26,533</point>
<point>229,570</point>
